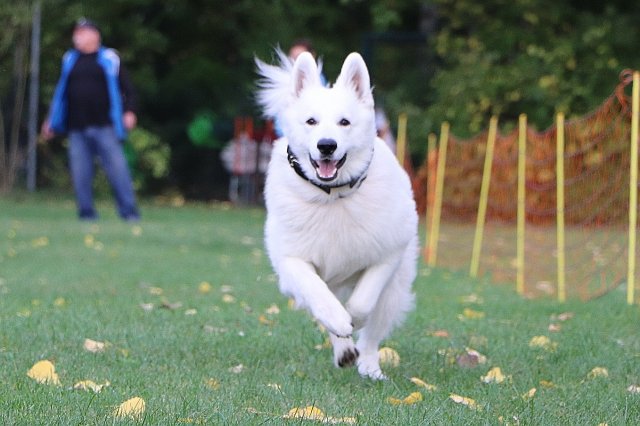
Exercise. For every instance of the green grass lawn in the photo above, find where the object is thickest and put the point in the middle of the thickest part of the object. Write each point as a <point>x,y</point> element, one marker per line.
<point>226,356</point>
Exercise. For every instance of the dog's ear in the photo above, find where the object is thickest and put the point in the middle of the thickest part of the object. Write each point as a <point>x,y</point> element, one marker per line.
<point>305,73</point>
<point>354,75</point>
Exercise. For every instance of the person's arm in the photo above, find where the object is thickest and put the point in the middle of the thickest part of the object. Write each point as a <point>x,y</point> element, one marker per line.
<point>129,99</point>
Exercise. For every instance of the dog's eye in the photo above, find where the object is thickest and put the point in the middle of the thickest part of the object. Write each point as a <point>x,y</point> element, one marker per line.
<point>344,122</point>
<point>311,122</point>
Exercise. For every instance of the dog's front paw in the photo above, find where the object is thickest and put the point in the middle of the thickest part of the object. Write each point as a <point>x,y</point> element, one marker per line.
<point>369,367</point>
<point>334,318</point>
<point>345,353</point>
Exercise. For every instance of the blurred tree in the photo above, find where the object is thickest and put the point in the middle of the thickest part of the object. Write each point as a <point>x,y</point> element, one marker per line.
<point>15,19</point>
<point>456,60</point>
<point>528,56</point>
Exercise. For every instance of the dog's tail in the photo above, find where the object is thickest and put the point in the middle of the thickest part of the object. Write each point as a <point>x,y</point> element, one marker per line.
<point>275,86</point>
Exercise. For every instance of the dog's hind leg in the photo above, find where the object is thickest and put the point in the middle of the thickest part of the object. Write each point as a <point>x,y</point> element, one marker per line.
<point>345,353</point>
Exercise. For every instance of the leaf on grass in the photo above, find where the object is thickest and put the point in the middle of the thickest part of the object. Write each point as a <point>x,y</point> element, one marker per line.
<point>136,230</point>
<point>315,414</point>
<point>413,398</point>
<point>554,328</point>
<point>468,313</point>
<point>563,316</point>
<point>440,333</point>
<point>155,291</point>
<point>204,287</point>
<point>463,400</point>
<point>421,383</point>
<point>547,384</point>
<point>190,312</point>
<point>94,346</point>
<point>273,310</point>
<point>147,307</point>
<point>470,358</point>
<point>543,342</point>
<point>237,369</point>
<point>325,345</point>
<point>472,298</point>
<point>598,372</point>
<point>275,387</point>
<point>213,383</point>
<point>133,408</point>
<point>44,372</point>
<point>90,385</point>
<point>530,394</point>
<point>635,389</point>
<point>40,242</point>
<point>262,319</point>
<point>494,376</point>
<point>228,298</point>
<point>59,302</point>
<point>388,357</point>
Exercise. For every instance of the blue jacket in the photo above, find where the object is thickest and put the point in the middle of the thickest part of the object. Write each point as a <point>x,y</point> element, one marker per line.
<point>109,60</point>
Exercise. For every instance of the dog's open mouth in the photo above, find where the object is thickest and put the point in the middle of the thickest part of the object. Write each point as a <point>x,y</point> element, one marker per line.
<point>327,169</point>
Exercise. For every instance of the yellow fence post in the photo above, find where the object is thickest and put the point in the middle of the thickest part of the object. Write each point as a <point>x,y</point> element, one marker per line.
<point>562,296</point>
<point>431,146</point>
<point>437,202</point>
<point>484,197</point>
<point>522,157</point>
<point>401,144</point>
<point>633,189</point>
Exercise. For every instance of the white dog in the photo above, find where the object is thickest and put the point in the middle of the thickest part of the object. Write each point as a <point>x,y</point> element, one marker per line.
<point>341,229</point>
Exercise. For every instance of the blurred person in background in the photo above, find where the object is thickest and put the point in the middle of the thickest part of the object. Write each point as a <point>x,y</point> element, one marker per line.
<point>94,104</point>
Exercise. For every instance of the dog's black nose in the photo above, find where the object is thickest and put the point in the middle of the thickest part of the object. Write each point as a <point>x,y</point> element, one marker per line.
<point>327,146</point>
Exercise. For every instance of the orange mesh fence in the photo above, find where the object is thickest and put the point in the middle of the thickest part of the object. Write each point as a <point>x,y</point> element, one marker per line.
<point>596,208</point>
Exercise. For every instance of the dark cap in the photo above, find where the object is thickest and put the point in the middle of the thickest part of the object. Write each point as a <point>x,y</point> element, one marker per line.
<point>85,23</point>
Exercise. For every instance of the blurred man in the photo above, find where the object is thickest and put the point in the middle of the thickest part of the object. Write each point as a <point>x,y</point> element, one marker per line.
<point>94,103</point>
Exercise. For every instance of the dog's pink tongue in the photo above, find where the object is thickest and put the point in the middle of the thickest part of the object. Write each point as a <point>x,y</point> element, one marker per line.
<point>327,169</point>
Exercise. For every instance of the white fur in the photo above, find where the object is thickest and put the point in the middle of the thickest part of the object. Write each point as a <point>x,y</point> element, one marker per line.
<point>347,256</point>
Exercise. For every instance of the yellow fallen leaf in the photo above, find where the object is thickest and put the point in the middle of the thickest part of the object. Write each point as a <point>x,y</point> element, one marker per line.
<point>388,357</point>
<point>315,414</point>
<point>44,372</point>
<point>494,376</point>
<point>40,242</point>
<point>413,398</point>
<point>89,240</point>
<point>306,413</point>
<point>547,384</point>
<point>228,298</point>
<point>273,310</point>
<point>543,342</point>
<point>440,333</point>
<point>530,394</point>
<point>264,320</point>
<point>213,384</point>
<point>204,287</point>
<point>90,385</point>
<point>472,314</point>
<point>133,408</point>
<point>136,230</point>
<point>421,383</point>
<point>463,400</point>
<point>598,372</point>
<point>59,302</point>
<point>155,291</point>
<point>94,346</point>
